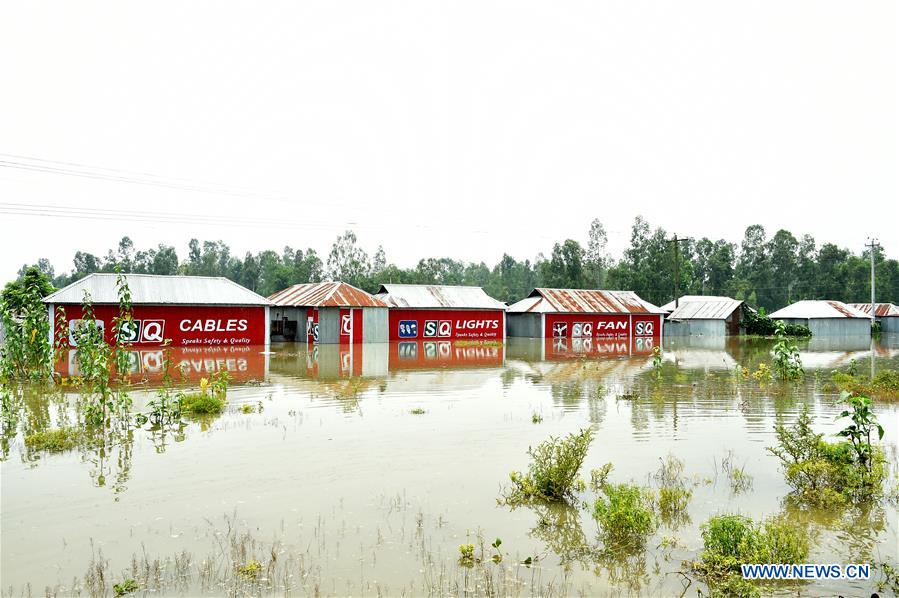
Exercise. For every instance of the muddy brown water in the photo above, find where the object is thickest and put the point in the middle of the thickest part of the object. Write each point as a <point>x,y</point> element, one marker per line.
<point>337,467</point>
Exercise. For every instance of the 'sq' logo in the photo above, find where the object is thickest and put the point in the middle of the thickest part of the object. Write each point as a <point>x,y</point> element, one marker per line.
<point>153,332</point>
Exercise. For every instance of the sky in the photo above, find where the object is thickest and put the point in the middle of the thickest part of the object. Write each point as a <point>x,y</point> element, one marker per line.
<point>459,129</point>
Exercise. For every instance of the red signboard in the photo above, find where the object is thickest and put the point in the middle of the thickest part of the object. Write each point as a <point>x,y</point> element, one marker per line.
<point>642,330</point>
<point>184,326</point>
<point>432,324</point>
<point>187,363</point>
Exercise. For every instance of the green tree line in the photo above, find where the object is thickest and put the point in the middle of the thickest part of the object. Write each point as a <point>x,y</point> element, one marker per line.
<point>767,272</point>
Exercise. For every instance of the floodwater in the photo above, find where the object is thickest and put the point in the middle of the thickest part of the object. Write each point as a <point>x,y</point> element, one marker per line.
<point>359,495</point>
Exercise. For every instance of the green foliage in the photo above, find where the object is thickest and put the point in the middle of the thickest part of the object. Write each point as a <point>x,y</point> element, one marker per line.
<point>54,440</point>
<point>625,515</point>
<point>732,540</point>
<point>126,587</point>
<point>536,418</point>
<point>657,362</point>
<point>418,411</point>
<point>758,323</point>
<point>787,363</point>
<point>201,403</point>
<point>824,473</point>
<point>26,353</point>
<point>673,501</point>
<point>552,473</point>
<point>466,555</point>
<point>887,380</point>
<point>862,423</point>
<point>250,570</point>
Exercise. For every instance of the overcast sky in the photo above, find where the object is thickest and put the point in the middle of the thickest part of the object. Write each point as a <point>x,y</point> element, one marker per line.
<point>462,129</point>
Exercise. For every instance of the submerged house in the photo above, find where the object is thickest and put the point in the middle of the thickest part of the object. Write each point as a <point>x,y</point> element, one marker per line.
<point>440,312</point>
<point>586,314</point>
<point>706,316</point>
<point>183,311</point>
<point>885,313</point>
<point>826,318</point>
<point>328,313</point>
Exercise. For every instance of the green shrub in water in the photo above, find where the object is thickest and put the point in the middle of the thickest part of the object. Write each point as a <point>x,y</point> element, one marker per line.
<point>673,501</point>
<point>625,515</point>
<point>732,540</point>
<point>200,403</point>
<point>825,473</point>
<point>250,570</point>
<point>126,587</point>
<point>553,472</point>
<point>53,440</point>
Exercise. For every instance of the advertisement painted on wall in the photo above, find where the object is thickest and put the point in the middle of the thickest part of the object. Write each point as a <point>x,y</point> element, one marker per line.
<point>647,329</point>
<point>183,326</point>
<point>407,325</point>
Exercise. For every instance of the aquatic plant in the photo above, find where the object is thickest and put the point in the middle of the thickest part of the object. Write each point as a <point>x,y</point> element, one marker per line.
<point>657,362</point>
<point>418,411</point>
<point>787,363</point>
<point>247,408</point>
<point>466,555</point>
<point>201,403</point>
<point>497,555</point>
<point>536,418</point>
<point>822,472</point>
<point>625,515</point>
<point>552,473</point>
<point>731,540</point>
<point>673,501</point>
<point>763,373</point>
<point>250,569</point>
<point>54,440</point>
<point>126,587</point>
<point>739,480</point>
<point>862,424</point>
<point>599,477</point>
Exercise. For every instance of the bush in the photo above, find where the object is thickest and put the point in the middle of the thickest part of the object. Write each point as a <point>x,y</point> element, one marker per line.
<point>625,515</point>
<point>887,380</point>
<point>732,540</point>
<point>552,474</point>
<point>201,403</point>
<point>673,501</point>
<point>760,324</point>
<point>53,440</point>
<point>824,473</point>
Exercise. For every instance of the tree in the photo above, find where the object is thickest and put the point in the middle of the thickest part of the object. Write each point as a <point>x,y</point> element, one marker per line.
<point>348,262</point>
<point>597,257</point>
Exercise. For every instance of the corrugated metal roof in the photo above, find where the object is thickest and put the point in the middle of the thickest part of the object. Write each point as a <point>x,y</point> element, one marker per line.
<point>431,296</point>
<point>325,294</point>
<point>159,290</point>
<point>810,309</point>
<point>705,310</point>
<point>543,300</point>
<point>883,309</point>
<point>670,305</point>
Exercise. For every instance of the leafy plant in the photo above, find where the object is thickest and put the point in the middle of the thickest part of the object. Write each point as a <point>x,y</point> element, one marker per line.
<point>418,411</point>
<point>657,362</point>
<point>673,501</point>
<point>863,423</point>
<point>787,363</point>
<point>497,556</point>
<point>536,418</point>
<point>126,587</point>
<point>26,354</point>
<point>466,555</point>
<point>552,473</point>
<point>250,570</point>
<point>625,515</point>
<point>54,440</point>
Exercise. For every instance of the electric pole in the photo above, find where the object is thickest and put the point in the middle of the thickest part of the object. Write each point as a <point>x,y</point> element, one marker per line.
<point>872,246</point>
<point>676,248</point>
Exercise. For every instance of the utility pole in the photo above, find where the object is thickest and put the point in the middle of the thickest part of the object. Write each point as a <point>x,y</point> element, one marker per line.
<point>872,246</point>
<point>676,248</point>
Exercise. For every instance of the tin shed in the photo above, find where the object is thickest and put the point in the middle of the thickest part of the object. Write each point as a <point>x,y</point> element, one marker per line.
<point>705,317</point>
<point>328,313</point>
<point>826,318</point>
<point>587,314</point>
<point>885,313</point>
<point>441,312</point>
<point>188,311</point>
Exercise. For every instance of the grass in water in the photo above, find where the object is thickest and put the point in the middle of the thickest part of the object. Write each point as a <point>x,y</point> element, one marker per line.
<point>553,472</point>
<point>54,440</point>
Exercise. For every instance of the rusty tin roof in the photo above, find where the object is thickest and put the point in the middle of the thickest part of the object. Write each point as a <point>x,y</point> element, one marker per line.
<point>813,309</point>
<point>542,300</point>
<point>325,294</point>
<point>883,309</point>
<point>433,296</point>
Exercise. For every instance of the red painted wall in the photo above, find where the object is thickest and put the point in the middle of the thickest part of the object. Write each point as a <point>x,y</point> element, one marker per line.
<point>647,329</point>
<point>428,324</point>
<point>185,326</point>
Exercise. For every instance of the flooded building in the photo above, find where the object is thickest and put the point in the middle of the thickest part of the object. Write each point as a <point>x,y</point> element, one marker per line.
<point>619,316</point>
<point>183,311</point>
<point>706,316</point>
<point>826,318</point>
<point>440,312</point>
<point>328,313</point>
<point>885,313</point>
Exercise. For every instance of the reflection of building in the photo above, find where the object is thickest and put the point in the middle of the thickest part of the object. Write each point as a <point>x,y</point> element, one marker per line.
<point>703,316</point>
<point>602,317</point>
<point>826,318</point>
<point>420,354</point>
<point>886,313</point>
<point>328,312</point>
<point>441,313</point>
<point>186,311</point>
<point>331,361</point>
<point>186,363</point>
